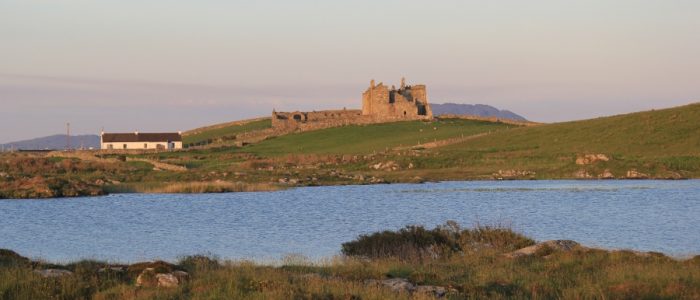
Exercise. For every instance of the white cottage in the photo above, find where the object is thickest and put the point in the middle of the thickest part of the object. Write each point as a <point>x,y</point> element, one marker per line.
<point>137,140</point>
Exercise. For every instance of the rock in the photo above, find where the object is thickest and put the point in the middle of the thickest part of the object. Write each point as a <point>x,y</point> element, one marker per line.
<point>99,182</point>
<point>588,159</point>
<point>398,285</point>
<point>387,166</point>
<point>410,166</point>
<point>606,175</point>
<point>582,174</point>
<point>53,273</point>
<point>147,278</point>
<point>555,245</point>
<point>401,285</point>
<point>431,290</point>
<point>181,276</point>
<point>167,280</point>
<point>634,174</point>
<point>509,174</point>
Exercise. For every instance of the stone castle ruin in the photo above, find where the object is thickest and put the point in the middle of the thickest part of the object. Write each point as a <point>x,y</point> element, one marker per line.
<point>379,104</point>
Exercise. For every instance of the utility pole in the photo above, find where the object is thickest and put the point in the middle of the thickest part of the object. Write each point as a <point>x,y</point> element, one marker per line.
<point>68,136</point>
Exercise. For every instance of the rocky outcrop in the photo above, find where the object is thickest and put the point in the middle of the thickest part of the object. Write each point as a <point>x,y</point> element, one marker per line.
<point>53,273</point>
<point>634,174</point>
<point>386,166</point>
<point>583,174</point>
<point>606,175</point>
<point>588,159</point>
<point>513,174</point>
<point>401,285</point>
<point>151,278</point>
<point>545,248</point>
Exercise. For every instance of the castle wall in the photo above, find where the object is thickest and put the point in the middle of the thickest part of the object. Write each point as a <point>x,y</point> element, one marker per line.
<point>379,104</point>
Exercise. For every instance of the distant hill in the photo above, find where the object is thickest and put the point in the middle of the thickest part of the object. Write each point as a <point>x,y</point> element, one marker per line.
<point>481,110</point>
<point>55,142</point>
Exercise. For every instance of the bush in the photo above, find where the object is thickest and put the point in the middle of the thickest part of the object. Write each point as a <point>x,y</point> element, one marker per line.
<point>416,242</point>
<point>411,242</point>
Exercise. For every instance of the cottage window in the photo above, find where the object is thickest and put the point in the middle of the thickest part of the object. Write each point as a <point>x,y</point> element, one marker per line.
<point>145,146</point>
<point>124,146</point>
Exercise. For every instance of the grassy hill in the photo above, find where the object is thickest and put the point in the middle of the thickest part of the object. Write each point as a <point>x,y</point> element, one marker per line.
<point>656,142</point>
<point>653,144</point>
<point>371,138</point>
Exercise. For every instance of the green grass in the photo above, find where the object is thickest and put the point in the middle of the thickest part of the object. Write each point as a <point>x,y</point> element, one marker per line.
<point>367,139</point>
<point>226,132</point>
<point>655,142</point>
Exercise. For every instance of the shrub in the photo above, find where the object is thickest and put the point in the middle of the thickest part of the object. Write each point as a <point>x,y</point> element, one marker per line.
<point>416,242</point>
<point>411,242</point>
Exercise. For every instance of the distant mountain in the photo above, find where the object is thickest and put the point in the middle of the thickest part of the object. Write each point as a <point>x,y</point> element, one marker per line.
<point>481,110</point>
<point>55,142</point>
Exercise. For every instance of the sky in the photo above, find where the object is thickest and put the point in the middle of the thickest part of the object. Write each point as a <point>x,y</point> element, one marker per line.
<point>170,65</point>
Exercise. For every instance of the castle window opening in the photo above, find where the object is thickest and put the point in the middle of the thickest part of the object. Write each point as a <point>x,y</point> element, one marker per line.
<point>297,117</point>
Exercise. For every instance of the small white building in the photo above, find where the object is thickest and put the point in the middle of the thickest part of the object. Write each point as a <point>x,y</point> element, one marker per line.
<point>140,141</point>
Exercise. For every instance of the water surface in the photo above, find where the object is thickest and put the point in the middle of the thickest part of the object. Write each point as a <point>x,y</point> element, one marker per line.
<point>644,215</point>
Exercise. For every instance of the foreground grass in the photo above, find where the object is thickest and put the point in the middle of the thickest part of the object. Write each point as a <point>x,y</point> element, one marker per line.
<point>475,268</point>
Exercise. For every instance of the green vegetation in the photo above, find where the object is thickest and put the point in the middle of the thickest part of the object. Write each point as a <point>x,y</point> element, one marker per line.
<point>207,136</point>
<point>417,243</point>
<point>357,139</point>
<point>475,269</point>
<point>663,144</point>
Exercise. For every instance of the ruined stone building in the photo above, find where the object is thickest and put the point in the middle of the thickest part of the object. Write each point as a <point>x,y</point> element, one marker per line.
<point>407,102</point>
<point>379,104</point>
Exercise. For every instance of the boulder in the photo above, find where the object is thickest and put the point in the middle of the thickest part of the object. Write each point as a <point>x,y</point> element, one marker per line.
<point>151,278</point>
<point>53,273</point>
<point>398,285</point>
<point>431,290</point>
<point>181,276</point>
<point>588,159</point>
<point>545,248</point>
<point>401,285</point>
<point>147,278</point>
<point>583,174</point>
<point>385,166</point>
<point>167,280</point>
<point>606,175</point>
<point>634,174</point>
<point>510,174</point>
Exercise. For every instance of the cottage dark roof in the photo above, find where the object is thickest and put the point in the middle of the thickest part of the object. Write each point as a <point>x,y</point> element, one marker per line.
<point>141,137</point>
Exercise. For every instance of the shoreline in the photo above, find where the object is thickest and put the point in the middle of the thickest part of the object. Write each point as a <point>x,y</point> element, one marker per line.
<point>221,187</point>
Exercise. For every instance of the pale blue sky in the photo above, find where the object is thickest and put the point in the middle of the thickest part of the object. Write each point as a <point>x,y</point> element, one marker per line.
<point>173,65</point>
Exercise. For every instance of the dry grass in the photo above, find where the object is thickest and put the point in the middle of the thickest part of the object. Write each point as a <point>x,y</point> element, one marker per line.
<point>483,274</point>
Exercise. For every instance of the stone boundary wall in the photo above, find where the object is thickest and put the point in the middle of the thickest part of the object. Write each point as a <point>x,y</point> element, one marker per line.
<point>222,125</point>
<point>489,119</point>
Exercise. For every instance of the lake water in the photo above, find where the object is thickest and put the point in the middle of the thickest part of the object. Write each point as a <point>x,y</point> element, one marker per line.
<point>643,215</point>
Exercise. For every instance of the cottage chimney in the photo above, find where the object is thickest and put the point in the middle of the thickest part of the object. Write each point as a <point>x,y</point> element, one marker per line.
<point>136,133</point>
<point>179,132</point>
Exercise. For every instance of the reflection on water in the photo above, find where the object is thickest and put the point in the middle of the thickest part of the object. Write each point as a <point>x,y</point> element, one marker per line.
<point>644,215</point>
